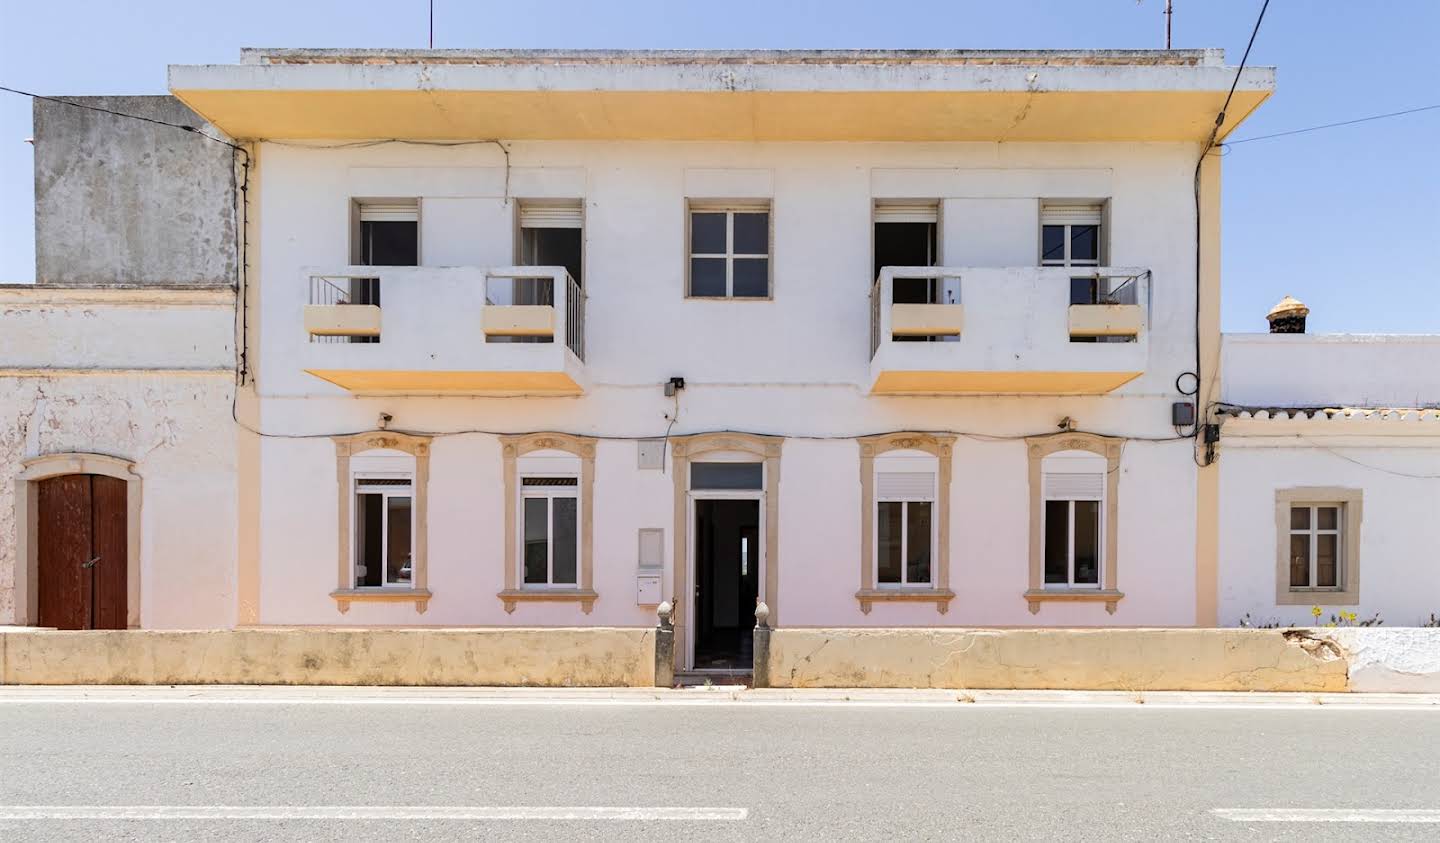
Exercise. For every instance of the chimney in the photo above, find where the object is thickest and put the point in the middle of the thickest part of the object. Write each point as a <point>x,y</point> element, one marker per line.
<point>1288,317</point>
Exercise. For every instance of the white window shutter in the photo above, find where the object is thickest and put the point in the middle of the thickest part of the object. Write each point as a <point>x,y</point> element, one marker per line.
<point>907,211</point>
<point>1071,213</point>
<point>905,485</point>
<point>1068,486</point>
<point>551,215</point>
<point>390,211</point>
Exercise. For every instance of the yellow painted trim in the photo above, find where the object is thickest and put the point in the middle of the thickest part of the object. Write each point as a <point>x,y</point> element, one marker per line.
<point>345,596</point>
<point>1207,478</point>
<point>584,596</point>
<point>514,447</point>
<point>927,320</point>
<point>342,320</point>
<point>1038,448</point>
<point>942,447</point>
<point>518,320</point>
<point>402,382</point>
<point>345,448</point>
<point>1109,597</point>
<point>1000,383</point>
<point>1105,320</point>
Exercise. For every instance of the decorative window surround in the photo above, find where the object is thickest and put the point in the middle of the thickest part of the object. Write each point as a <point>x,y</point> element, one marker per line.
<point>1038,448</point>
<point>26,577</point>
<point>1350,503</point>
<point>514,447</point>
<point>942,447</point>
<point>683,449</point>
<point>345,448</point>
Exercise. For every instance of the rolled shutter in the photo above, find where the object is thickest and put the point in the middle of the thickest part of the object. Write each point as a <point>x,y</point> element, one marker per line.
<point>1071,213</point>
<point>905,485</point>
<point>1065,487</point>
<point>389,211</point>
<point>550,215</point>
<point>907,212</point>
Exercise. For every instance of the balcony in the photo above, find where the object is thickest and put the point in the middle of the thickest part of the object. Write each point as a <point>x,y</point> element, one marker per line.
<point>1008,331</point>
<point>381,330</point>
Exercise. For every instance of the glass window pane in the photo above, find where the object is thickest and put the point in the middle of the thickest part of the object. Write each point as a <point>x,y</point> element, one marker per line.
<point>752,277</point>
<point>389,243</point>
<point>707,234</point>
<point>1327,560</point>
<point>1087,542</point>
<point>727,475</point>
<point>1299,517</point>
<point>1300,561</point>
<point>537,544</point>
<point>398,550</point>
<point>887,555</point>
<point>707,276</point>
<point>1057,534</point>
<point>1052,243</point>
<point>1085,243</point>
<point>369,544</point>
<point>1329,518</point>
<point>917,551</point>
<point>752,234</point>
<point>565,546</point>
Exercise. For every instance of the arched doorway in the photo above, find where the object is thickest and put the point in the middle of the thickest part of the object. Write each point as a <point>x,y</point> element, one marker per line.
<point>81,552</point>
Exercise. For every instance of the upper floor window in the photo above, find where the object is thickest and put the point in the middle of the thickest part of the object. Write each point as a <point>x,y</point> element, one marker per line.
<point>551,234</point>
<point>729,250</point>
<point>906,234</point>
<point>1073,488</point>
<point>1070,233</point>
<point>905,522</point>
<point>386,232</point>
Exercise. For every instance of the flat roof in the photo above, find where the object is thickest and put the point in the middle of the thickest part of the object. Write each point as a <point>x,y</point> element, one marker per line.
<point>749,95</point>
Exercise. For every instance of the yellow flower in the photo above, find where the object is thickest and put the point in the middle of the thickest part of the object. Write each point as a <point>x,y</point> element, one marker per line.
<point>1315,610</point>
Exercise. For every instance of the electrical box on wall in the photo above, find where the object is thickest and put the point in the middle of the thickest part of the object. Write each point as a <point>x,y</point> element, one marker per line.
<point>650,570</point>
<point>650,454</point>
<point>1182,414</point>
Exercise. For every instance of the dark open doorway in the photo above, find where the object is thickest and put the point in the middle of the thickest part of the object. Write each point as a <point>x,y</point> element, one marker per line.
<point>727,577</point>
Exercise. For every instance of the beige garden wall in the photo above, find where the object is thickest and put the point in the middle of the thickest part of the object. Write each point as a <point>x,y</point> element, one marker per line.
<point>594,657</point>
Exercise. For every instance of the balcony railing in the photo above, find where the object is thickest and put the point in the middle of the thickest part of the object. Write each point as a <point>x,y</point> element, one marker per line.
<point>446,329</point>
<point>1014,330</point>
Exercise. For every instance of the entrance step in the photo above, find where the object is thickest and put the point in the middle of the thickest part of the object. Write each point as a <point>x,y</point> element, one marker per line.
<point>696,678</point>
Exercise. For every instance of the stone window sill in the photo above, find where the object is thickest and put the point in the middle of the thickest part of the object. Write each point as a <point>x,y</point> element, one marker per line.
<point>941,597</point>
<point>1319,597</point>
<point>345,596</point>
<point>1036,596</point>
<point>585,597</point>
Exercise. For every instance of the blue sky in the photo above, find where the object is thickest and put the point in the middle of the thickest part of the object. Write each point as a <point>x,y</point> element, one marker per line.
<point>1346,219</point>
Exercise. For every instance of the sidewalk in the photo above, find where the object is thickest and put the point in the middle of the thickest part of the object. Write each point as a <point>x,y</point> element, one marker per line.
<point>712,695</point>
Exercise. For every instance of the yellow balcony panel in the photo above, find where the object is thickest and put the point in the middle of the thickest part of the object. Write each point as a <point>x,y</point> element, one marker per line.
<point>999,383</point>
<point>518,320</point>
<point>342,320</point>
<point>1105,320</point>
<point>927,320</point>
<point>387,382</point>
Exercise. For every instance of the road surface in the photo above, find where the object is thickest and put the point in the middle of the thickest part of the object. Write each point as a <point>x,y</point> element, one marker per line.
<point>411,767</point>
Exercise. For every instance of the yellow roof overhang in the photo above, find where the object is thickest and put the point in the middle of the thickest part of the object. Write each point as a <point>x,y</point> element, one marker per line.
<point>638,101</point>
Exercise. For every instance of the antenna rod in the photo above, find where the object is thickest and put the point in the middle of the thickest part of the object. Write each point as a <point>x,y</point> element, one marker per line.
<point>432,27</point>
<point>1169,13</point>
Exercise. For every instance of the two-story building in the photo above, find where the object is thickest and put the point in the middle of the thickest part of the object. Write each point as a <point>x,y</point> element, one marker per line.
<point>533,338</point>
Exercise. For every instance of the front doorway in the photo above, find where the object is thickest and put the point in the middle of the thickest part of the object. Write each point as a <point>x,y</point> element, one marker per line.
<point>82,552</point>
<point>727,581</point>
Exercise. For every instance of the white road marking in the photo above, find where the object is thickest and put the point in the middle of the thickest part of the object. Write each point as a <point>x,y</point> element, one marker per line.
<point>1330,815</point>
<point>364,812</point>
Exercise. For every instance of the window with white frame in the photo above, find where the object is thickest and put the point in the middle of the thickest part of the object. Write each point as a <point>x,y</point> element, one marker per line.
<point>1316,546</point>
<point>905,520</point>
<point>1070,233</point>
<point>384,542</point>
<point>1072,528</point>
<point>729,250</point>
<point>550,535</point>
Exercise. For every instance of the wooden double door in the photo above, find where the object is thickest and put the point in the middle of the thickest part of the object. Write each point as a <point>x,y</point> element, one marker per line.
<point>82,551</point>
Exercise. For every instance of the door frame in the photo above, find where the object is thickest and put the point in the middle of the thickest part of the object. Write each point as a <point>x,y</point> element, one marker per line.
<point>27,522</point>
<point>691,561</point>
<point>684,449</point>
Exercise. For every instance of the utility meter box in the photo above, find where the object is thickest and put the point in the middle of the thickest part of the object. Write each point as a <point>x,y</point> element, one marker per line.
<point>650,568</point>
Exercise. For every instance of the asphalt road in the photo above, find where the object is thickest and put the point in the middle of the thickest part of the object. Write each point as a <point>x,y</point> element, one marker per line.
<point>398,769</point>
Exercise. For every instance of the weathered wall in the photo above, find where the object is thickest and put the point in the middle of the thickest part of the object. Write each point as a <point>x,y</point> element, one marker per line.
<point>125,201</point>
<point>1064,659</point>
<point>535,657</point>
<point>146,376</point>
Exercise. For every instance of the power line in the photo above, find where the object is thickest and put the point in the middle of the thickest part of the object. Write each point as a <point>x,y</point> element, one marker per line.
<point>181,126</point>
<point>1334,125</point>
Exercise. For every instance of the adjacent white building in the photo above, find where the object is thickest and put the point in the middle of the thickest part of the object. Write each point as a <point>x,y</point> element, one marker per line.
<point>876,338</point>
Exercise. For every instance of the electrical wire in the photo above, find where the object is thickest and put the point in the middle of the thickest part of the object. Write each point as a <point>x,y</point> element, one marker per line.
<point>1202,408</point>
<point>1332,125</point>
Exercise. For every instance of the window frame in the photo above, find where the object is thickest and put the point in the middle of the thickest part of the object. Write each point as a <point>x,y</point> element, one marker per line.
<point>938,452</point>
<point>1101,230</point>
<point>549,494</point>
<point>1349,518</point>
<point>1313,532</point>
<point>1070,502</point>
<point>513,447</point>
<point>357,447</point>
<point>730,208</point>
<point>385,493</point>
<point>1108,592</point>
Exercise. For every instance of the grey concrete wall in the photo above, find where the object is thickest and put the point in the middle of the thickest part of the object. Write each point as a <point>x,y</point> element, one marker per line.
<point>121,201</point>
